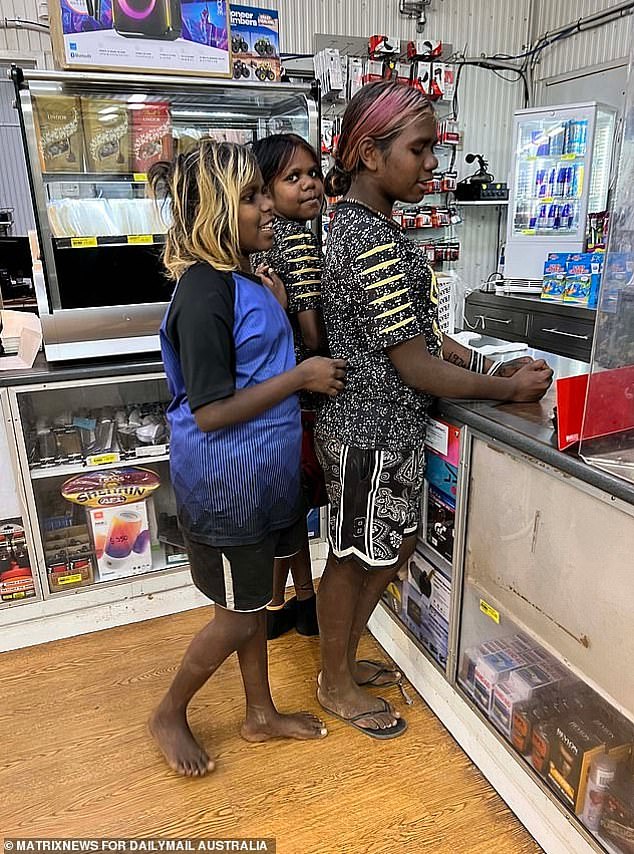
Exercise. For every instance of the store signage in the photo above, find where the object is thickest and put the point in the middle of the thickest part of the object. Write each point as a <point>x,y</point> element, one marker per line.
<point>255,44</point>
<point>159,36</point>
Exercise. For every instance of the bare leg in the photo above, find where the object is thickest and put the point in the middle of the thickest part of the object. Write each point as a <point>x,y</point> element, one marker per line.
<point>337,602</point>
<point>373,588</point>
<point>302,572</point>
<point>263,721</point>
<point>225,634</point>
<point>280,574</point>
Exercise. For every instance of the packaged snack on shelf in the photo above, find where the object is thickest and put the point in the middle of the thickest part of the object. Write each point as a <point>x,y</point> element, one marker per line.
<point>151,135</point>
<point>59,133</point>
<point>554,282</point>
<point>106,126</point>
<point>583,278</point>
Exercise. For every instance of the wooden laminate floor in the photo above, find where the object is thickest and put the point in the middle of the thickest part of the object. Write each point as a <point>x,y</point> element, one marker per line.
<point>75,759</point>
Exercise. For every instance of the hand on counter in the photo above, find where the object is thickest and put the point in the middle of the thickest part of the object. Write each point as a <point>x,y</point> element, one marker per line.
<point>510,368</point>
<point>531,381</point>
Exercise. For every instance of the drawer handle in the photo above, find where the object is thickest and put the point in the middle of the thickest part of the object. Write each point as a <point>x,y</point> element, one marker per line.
<point>495,320</point>
<point>567,334</point>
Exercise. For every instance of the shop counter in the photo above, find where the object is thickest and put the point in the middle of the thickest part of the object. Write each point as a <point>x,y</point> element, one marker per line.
<point>514,617</point>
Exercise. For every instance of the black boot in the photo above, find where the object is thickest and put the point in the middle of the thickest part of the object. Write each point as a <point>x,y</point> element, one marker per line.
<point>306,623</point>
<point>281,620</point>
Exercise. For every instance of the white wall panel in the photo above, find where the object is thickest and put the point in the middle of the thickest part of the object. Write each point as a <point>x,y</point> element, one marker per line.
<point>22,42</point>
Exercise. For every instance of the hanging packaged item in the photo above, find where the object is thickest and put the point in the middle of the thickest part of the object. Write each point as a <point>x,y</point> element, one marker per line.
<point>424,49</point>
<point>380,46</point>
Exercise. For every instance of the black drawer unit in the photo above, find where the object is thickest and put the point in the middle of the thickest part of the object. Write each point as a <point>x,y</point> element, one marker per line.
<point>566,330</point>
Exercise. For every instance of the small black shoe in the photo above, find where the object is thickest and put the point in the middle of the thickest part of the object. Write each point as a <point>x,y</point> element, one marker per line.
<point>281,620</point>
<point>306,623</point>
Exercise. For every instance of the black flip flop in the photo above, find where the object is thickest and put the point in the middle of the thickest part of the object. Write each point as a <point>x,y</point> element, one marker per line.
<point>383,667</point>
<point>374,732</point>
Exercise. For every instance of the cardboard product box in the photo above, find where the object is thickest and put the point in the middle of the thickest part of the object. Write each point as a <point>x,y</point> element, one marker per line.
<point>255,44</point>
<point>121,539</point>
<point>554,281</point>
<point>143,36</point>
<point>59,133</point>
<point>442,475</point>
<point>583,278</point>
<point>74,572</point>
<point>355,75</point>
<point>151,135</point>
<point>426,614</point>
<point>577,742</point>
<point>490,670</point>
<point>440,523</point>
<point>472,656</point>
<point>107,135</point>
<point>522,685</point>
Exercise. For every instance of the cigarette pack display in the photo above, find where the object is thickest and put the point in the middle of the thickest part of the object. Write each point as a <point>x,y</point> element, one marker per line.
<point>59,133</point>
<point>522,685</point>
<point>106,126</point>
<point>554,282</point>
<point>577,742</point>
<point>440,523</point>
<point>151,135</point>
<point>490,670</point>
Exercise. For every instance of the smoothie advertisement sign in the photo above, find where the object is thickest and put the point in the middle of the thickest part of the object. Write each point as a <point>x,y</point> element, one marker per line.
<point>255,44</point>
<point>168,36</point>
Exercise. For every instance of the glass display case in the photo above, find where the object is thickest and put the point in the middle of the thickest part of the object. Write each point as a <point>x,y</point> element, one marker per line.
<point>90,140</point>
<point>608,429</point>
<point>563,159</point>
<point>19,581</point>
<point>539,630</point>
<point>99,490</point>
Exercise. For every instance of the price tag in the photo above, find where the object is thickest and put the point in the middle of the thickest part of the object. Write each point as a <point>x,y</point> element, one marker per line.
<point>151,451</point>
<point>136,239</point>
<point>489,611</point>
<point>83,242</point>
<point>529,231</point>
<point>102,459</point>
<point>69,579</point>
<point>568,156</point>
<point>531,157</point>
<point>140,177</point>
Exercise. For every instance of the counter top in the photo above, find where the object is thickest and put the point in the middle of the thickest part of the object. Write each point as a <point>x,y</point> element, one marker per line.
<point>45,372</point>
<point>529,427</point>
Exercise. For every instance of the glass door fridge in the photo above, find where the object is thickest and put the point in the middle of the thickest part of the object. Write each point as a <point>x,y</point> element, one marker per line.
<point>561,173</point>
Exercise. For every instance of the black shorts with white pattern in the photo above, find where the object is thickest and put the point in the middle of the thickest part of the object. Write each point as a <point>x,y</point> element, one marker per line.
<point>375,501</point>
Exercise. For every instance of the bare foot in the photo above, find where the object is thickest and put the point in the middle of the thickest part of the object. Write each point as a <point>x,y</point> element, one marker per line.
<point>375,674</point>
<point>302,725</point>
<point>350,704</point>
<point>184,755</point>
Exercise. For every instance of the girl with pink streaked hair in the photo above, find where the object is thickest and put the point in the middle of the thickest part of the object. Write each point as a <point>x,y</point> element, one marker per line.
<point>380,302</point>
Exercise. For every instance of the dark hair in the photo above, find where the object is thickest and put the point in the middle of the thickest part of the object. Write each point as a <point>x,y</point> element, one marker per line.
<point>379,111</point>
<point>274,153</point>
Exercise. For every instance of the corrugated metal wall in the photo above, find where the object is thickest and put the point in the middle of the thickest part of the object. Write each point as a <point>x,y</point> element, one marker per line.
<point>24,42</point>
<point>583,50</point>
<point>486,102</point>
<point>14,187</point>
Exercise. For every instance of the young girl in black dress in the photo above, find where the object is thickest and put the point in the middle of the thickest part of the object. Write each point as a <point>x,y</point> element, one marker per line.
<point>292,177</point>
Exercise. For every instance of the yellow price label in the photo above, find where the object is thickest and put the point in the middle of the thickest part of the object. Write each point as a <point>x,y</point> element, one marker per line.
<point>140,177</point>
<point>83,242</point>
<point>490,611</point>
<point>531,157</point>
<point>137,239</point>
<point>103,459</point>
<point>69,579</point>
<point>568,156</point>
<point>529,231</point>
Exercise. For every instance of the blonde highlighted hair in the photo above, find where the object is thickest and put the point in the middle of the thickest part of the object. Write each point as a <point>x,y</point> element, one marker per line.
<point>204,188</point>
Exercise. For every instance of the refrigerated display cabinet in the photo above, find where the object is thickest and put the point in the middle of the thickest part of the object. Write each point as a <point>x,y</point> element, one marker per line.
<point>561,173</point>
<point>89,142</point>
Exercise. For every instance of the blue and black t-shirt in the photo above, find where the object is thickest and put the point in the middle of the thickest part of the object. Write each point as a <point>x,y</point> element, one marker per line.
<point>224,332</point>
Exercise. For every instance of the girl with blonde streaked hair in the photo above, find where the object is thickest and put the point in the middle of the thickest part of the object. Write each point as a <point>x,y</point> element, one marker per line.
<point>227,348</point>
